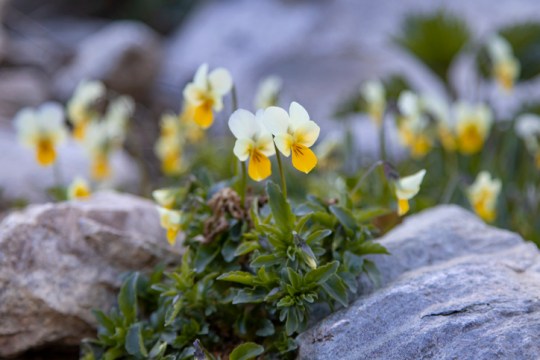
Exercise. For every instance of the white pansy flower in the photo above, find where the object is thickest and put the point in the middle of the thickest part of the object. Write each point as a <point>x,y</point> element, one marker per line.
<point>268,92</point>
<point>406,188</point>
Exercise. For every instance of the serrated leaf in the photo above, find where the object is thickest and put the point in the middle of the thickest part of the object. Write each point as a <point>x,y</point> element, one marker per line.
<point>435,39</point>
<point>246,247</point>
<point>322,273</point>
<point>344,216</point>
<point>246,351</point>
<point>135,342</point>
<point>281,210</point>
<point>240,277</point>
<point>127,298</point>
<point>337,290</point>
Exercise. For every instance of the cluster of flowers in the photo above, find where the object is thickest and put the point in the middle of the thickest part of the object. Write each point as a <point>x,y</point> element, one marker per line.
<point>270,131</point>
<point>462,126</point>
<point>100,125</point>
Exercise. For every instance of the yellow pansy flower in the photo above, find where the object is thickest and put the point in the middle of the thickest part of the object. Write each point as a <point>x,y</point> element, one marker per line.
<point>528,129</point>
<point>172,221</point>
<point>193,132</point>
<point>482,195</point>
<point>165,197</point>
<point>80,107</point>
<point>413,127</point>
<point>42,129</point>
<point>505,66</point>
<point>268,92</point>
<point>169,147</point>
<point>205,93</point>
<point>406,188</point>
<point>375,96</point>
<point>253,141</point>
<point>293,133</point>
<point>79,189</point>
<point>473,123</point>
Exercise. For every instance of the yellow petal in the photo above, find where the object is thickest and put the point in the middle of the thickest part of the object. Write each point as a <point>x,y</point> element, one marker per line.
<point>203,115</point>
<point>259,166</point>
<point>45,152</point>
<point>100,167</point>
<point>171,163</point>
<point>470,139</point>
<point>79,130</point>
<point>403,206</point>
<point>303,158</point>
<point>171,235</point>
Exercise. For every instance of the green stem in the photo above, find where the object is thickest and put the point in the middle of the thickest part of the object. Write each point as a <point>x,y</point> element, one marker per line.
<point>281,174</point>
<point>243,184</point>
<point>57,174</point>
<point>234,99</point>
<point>366,174</point>
<point>382,145</point>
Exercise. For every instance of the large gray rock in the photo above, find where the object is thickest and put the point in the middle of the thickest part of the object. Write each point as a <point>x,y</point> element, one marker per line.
<point>60,261</point>
<point>454,289</point>
<point>125,54</point>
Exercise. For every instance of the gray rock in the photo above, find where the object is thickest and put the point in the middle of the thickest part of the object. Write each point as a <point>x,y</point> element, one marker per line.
<point>60,261</point>
<point>22,178</point>
<point>454,289</point>
<point>125,55</point>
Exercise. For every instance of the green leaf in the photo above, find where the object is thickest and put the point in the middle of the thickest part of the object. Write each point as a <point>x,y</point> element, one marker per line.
<point>317,236</point>
<point>370,247</point>
<point>135,342</point>
<point>113,353</point>
<point>295,278</point>
<point>104,321</point>
<point>266,329</point>
<point>322,273</point>
<point>240,277</point>
<point>281,210</point>
<point>246,351</point>
<point>372,272</point>
<point>173,311</point>
<point>246,247</point>
<point>204,256</point>
<point>365,215</point>
<point>265,260</point>
<point>344,216</point>
<point>158,350</point>
<point>434,39</point>
<point>127,298</point>
<point>337,290</point>
<point>246,296</point>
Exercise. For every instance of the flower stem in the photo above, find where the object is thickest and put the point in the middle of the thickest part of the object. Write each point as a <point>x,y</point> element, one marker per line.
<point>243,184</point>
<point>57,174</point>
<point>382,140</point>
<point>366,174</point>
<point>281,174</point>
<point>234,99</point>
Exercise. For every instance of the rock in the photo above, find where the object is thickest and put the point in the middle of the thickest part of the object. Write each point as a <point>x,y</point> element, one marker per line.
<point>125,55</point>
<point>22,178</point>
<point>60,261</point>
<point>454,289</point>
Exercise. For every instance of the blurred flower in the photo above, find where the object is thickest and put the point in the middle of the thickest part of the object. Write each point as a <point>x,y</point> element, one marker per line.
<point>330,152</point>
<point>413,126</point>
<point>268,92</point>
<point>253,141</point>
<point>79,189</point>
<point>375,96</point>
<point>172,221</point>
<point>528,128</point>
<point>406,188</point>
<point>165,197</point>
<point>169,147</point>
<point>206,93</point>
<point>293,132</point>
<point>193,132</point>
<point>483,195</point>
<point>439,110</point>
<point>42,129</point>
<point>119,111</point>
<point>80,107</point>
<point>473,123</point>
<point>506,66</point>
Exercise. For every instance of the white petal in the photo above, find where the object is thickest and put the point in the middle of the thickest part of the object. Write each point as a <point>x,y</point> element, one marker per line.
<point>407,187</point>
<point>373,92</point>
<point>498,48</point>
<point>220,81</point>
<point>276,120</point>
<point>243,124</point>
<point>201,77</point>
<point>527,125</point>
<point>408,104</point>
<point>242,148</point>
<point>298,115</point>
<point>51,113</point>
<point>283,143</point>
<point>307,133</point>
<point>265,144</point>
<point>192,94</point>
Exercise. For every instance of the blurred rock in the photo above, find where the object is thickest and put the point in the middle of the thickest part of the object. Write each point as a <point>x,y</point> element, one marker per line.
<point>22,178</point>
<point>60,261</point>
<point>18,89</point>
<point>125,55</point>
<point>455,289</point>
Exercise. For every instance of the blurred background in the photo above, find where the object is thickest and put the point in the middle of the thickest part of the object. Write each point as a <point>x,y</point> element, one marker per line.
<point>149,49</point>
